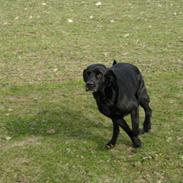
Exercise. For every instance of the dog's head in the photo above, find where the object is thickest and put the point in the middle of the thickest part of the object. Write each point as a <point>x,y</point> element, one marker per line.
<point>93,76</point>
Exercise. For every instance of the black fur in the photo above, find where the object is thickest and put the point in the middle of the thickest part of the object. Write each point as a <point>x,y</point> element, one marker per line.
<point>119,91</point>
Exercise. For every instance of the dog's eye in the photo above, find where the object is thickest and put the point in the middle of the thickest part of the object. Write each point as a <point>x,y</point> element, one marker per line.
<point>98,75</point>
<point>88,73</point>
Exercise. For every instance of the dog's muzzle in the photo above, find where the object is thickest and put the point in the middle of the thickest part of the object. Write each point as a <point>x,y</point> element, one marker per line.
<point>90,86</point>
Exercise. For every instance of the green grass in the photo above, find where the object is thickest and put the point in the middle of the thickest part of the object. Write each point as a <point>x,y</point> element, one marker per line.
<point>50,128</point>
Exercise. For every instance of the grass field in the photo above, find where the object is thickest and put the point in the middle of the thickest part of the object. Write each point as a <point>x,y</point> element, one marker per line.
<point>50,128</point>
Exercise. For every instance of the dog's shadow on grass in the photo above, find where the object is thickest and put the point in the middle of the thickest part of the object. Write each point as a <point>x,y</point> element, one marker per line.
<point>67,123</point>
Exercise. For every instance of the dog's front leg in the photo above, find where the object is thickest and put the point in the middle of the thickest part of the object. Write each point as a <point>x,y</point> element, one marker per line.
<point>115,134</point>
<point>122,123</point>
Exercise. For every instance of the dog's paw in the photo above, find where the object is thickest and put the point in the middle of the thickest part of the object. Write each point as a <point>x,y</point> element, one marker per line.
<point>146,130</point>
<point>137,142</point>
<point>109,145</point>
<point>147,127</point>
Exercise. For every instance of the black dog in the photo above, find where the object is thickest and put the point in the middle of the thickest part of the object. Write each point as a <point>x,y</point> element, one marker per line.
<point>119,91</point>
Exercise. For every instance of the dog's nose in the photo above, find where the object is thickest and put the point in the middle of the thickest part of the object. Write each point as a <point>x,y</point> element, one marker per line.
<point>89,84</point>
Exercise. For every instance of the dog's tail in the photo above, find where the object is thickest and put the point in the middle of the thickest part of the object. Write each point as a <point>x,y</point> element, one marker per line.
<point>114,62</point>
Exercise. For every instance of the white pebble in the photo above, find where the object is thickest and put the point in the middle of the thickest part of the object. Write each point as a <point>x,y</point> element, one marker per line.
<point>159,5</point>
<point>70,20</point>
<point>98,3</point>
<point>55,70</point>
<point>8,138</point>
<point>126,35</point>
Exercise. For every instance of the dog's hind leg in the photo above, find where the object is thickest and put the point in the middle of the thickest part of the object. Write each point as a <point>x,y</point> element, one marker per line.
<point>135,121</point>
<point>115,134</point>
<point>148,113</point>
<point>144,100</point>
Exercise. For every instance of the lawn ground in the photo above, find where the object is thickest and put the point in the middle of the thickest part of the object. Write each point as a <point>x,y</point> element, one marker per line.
<point>50,128</point>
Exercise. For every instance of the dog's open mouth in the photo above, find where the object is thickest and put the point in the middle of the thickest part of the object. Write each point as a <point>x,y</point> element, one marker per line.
<point>90,88</point>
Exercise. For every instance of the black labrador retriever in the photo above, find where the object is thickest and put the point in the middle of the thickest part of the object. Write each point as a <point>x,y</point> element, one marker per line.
<point>119,91</point>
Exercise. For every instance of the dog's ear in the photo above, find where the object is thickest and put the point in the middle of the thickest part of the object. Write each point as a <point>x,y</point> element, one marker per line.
<point>84,74</point>
<point>110,78</point>
<point>114,62</point>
